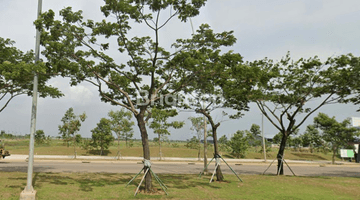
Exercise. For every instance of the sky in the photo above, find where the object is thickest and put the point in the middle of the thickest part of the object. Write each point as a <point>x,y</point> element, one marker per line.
<point>263,28</point>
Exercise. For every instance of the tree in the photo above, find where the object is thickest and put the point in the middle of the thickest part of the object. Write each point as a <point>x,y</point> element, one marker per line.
<point>223,143</point>
<point>160,125</point>
<point>254,136</point>
<point>86,145</point>
<point>205,94</point>
<point>337,133</point>
<point>17,74</point>
<point>149,70</point>
<point>296,143</point>
<point>193,143</point>
<point>101,135</point>
<point>277,138</point>
<point>197,125</point>
<point>121,125</point>
<point>40,137</point>
<point>286,91</point>
<point>311,137</point>
<point>71,125</point>
<point>238,144</point>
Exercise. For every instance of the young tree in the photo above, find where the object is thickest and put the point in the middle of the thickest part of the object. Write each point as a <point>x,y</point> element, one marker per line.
<point>86,145</point>
<point>160,125</point>
<point>40,137</point>
<point>101,135</point>
<point>121,125</point>
<point>17,74</point>
<point>285,89</point>
<point>223,143</point>
<point>296,143</point>
<point>337,133</point>
<point>238,144</point>
<point>197,125</point>
<point>205,95</point>
<point>311,137</point>
<point>254,136</point>
<point>82,48</point>
<point>71,125</point>
<point>193,143</point>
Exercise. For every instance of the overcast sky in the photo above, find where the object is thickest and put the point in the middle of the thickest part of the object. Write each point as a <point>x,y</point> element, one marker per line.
<point>263,28</point>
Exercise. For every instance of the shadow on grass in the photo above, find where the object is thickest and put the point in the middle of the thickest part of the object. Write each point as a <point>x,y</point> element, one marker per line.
<point>88,182</point>
<point>190,181</point>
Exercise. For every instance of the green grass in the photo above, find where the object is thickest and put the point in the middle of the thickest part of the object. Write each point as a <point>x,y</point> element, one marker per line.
<point>112,186</point>
<point>57,147</point>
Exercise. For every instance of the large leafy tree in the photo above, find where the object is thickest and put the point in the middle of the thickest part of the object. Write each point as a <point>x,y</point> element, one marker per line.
<point>101,135</point>
<point>82,48</point>
<point>338,134</point>
<point>206,94</point>
<point>71,124</point>
<point>160,124</point>
<point>17,74</point>
<point>286,90</point>
<point>121,125</point>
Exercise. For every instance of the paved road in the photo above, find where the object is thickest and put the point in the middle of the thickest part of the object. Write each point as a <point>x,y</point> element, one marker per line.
<point>177,168</point>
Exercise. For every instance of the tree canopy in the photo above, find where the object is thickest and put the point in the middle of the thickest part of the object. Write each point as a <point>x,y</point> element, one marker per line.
<point>338,134</point>
<point>17,73</point>
<point>285,90</point>
<point>148,70</point>
<point>121,124</point>
<point>101,135</point>
<point>71,124</point>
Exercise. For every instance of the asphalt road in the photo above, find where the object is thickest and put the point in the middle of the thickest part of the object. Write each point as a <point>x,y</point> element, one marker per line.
<point>177,168</point>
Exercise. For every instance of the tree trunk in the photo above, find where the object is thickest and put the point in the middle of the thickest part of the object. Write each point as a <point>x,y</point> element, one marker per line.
<point>199,150</point>
<point>333,156</point>
<point>74,147</point>
<point>219,175</point>
<point>101,147</point>
<point>118,153</point>
<point>146,149</point>
<point>281,154</point>
<point>160,153</point>
<point>205,147</point>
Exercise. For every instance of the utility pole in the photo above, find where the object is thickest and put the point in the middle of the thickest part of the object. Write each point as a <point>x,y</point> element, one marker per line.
<point>29,192</point>
<point>262,133</point>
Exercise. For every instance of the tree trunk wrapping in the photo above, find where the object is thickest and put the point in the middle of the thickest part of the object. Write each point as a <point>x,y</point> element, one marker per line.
<point>219,175</point>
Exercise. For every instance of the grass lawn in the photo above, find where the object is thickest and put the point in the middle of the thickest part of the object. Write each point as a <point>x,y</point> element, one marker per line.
<point>57,147</point>
<point>112,186</point>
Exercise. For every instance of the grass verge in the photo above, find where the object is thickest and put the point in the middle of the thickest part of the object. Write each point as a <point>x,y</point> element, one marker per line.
<point>112,186</point>
<point>57,147</point>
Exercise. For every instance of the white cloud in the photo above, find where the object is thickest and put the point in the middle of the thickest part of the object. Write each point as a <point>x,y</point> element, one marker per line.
<point>81,94</point>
